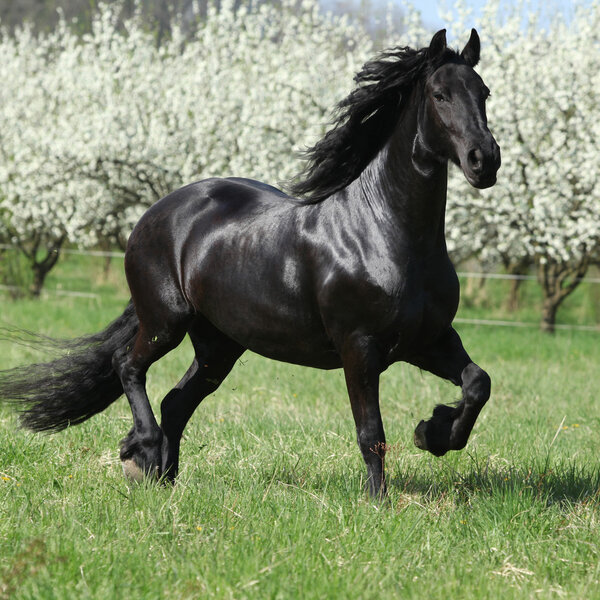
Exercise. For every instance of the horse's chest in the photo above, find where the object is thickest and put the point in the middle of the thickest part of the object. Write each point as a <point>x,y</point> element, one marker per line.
<point>440,304</point>
<point>423,309</point>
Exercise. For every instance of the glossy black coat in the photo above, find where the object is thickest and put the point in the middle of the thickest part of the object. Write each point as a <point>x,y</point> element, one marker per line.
<point>355,276</point>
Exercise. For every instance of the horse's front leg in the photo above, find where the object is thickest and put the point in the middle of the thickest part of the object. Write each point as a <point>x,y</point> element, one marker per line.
<point>450,426</point>
<point>362,370</point>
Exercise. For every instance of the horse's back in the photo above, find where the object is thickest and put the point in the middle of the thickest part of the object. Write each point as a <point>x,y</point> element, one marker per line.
<point>207,204</point>
<point>232,194</point>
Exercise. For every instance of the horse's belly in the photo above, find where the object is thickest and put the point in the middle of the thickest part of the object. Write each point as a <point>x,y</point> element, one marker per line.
<point>295,341</point>
<point>319,356</point>
<point>274,321</point>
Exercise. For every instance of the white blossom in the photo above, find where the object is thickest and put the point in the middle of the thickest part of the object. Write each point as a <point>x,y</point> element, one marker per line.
<point>544,112</point>
<point>94,130</point>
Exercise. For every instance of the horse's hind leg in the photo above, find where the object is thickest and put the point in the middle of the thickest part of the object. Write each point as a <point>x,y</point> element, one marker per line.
<point>449,427</point>
<point>157,335</point>
<point>215,356</point>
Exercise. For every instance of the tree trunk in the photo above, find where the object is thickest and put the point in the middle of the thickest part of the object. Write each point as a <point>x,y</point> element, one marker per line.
<point>106,268</point>
<point>470,287</point>
<point>513,299</point>
<point>39,277</point>
<point>41,268</point>
<point>105,247</point>
<point>519,268</point>
<point>558,280</point>
<point>549,310</point>
<point>475,289</point>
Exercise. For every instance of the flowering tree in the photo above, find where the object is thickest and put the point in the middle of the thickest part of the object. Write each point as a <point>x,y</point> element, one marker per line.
<point>545,209</point>
<point>95,129</point>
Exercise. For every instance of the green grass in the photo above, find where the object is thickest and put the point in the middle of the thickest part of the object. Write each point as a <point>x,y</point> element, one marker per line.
<point>270,500</point>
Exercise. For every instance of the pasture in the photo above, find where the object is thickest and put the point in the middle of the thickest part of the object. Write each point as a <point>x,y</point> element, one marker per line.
<point>270,501</point>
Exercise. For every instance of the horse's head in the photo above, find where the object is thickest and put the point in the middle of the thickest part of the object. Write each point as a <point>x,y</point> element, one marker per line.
<point>453,122</point>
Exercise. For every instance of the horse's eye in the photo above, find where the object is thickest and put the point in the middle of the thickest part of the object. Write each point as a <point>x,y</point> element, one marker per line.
<point>439,97</point>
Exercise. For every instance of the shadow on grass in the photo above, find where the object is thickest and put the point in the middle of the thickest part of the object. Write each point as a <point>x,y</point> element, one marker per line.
<point>550,483</point>
<point>546,482</point>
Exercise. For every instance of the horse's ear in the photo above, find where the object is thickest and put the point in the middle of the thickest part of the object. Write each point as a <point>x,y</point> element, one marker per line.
<point>471,51</point>
<point>437,44</point>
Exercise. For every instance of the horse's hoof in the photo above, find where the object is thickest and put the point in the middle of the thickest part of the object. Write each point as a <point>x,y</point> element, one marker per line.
<point>419,436</point>
<point>433,436</point>
<point>131,471</point>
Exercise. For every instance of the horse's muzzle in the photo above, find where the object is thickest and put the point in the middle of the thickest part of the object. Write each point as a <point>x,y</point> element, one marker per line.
<point>481,164</point>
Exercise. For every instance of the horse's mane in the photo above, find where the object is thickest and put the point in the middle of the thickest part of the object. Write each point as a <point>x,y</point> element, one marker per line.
<point>365,120</point>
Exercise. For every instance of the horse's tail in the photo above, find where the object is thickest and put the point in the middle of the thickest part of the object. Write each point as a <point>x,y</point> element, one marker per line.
<point>75,386</point>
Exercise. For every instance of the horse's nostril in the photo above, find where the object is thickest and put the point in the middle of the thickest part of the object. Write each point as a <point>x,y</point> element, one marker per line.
<point>475,158</point>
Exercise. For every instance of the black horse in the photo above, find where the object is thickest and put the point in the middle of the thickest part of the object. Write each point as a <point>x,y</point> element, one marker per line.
<point>356,275</point>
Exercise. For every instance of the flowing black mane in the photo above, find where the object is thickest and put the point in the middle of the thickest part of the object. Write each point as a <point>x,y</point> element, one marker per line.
<point>365,120</point>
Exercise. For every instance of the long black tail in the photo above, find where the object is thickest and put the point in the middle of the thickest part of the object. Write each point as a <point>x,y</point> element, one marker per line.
<point>75,386</point>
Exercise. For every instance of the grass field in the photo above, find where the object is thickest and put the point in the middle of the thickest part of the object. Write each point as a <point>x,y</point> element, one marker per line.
<point>270,500</point>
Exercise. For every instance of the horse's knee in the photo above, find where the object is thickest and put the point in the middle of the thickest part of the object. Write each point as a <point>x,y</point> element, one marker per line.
<point>476,384</point>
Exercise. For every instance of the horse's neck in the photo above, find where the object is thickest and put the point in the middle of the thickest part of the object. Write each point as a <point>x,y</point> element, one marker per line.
<point>405,195</point>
